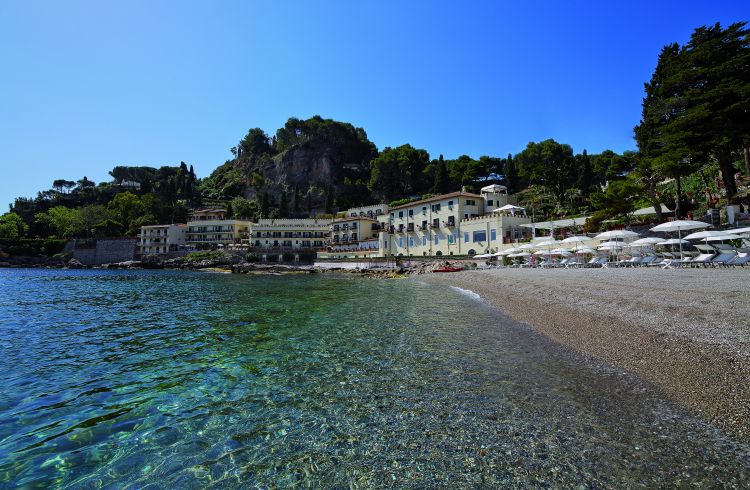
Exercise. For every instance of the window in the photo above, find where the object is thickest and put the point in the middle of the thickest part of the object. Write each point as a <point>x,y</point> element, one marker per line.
<point>489,202</point>
<point>411,212</point>
<point>466,237</point>
<point>450,203</point>
<point>424,209</point>
<point>424,241</point>
<point>493,234</point>
<point>435,208</point>
<point>451,239</point>
<point>401,242</point>
<point>437,240</point>
<point>411,241</point>
<point>471,202</point>
<point>480,236</point>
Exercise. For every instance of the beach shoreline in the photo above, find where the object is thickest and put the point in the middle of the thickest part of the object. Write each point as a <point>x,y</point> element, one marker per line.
<point>686,332</point>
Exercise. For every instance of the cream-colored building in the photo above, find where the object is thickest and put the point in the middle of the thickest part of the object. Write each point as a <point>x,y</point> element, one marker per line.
<point>161,239</point>
<point>489,233</point>
<point>353,237</point>
<point>371,211</point>
<point>209,234</point>
<point>459,223</point>
<point>274,237</point>
<point>208,214</point>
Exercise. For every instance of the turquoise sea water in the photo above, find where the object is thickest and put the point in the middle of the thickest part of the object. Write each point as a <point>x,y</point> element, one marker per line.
<point>166,379</point>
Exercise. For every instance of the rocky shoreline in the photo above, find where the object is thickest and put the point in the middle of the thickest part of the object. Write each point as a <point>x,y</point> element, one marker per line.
<point>229,263</point>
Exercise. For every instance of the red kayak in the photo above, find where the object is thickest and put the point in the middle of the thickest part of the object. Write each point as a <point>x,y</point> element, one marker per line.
<point>449,269</point>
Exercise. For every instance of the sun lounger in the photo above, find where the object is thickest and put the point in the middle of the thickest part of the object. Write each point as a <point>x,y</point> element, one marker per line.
<point>702,259</point>
<point>723,258</point>
<point>671,263</point>
<point>740,259</point>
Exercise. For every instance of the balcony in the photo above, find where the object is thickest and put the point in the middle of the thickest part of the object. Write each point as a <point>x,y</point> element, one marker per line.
<point>451,222</point>
<point>400,228</point>
<point>410,227</point>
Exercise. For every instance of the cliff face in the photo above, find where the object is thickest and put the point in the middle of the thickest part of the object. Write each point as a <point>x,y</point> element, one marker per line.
<point>312,170</point>
<point>317,161</point>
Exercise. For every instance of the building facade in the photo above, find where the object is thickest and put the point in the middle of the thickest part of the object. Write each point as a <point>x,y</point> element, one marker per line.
<point>354,237</point>
<point>162,239</point>
<point>209,234</point>
<point>371,211</point>
<point>298,238</point>
<point>459,223</point>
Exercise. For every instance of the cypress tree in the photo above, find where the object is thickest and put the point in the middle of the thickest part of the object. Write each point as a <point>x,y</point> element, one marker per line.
<point>264,206</point>
<point>511,175</point>
<point>283,206</point>
<point>585,174</point>
<point>441,184</point>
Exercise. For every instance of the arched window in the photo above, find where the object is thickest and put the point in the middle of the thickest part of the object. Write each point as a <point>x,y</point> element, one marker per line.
<point>472,252</point>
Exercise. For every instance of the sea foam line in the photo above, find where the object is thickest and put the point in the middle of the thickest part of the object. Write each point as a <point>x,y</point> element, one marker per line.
<point>467,292</point>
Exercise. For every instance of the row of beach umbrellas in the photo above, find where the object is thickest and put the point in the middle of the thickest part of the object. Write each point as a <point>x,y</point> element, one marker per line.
<point>617,240</point>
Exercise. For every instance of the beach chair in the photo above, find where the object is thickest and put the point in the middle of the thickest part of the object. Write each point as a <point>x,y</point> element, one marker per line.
<point>631,262</point>
<point>702,260</point>
<point>647,260</point>
<point>723,258</point>
<point>740,259</point>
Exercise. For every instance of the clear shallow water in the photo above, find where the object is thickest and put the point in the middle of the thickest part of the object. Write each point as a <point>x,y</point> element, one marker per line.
<point>184,380</point>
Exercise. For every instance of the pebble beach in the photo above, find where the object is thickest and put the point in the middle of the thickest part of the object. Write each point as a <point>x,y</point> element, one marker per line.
<point>685,331</point>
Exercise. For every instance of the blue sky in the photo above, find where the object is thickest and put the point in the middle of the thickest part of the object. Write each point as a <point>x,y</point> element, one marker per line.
<point>85,86</point>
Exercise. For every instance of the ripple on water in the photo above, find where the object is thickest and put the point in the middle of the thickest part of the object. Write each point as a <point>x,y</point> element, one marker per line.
<point>173,379</point>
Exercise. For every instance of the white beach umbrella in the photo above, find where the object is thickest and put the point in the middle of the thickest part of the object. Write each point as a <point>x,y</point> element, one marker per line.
<point>547,243</point>
<point>513,250</point>
<point>482,256</point>
<point>542,252</point>
<point>561,251</point>
<point>585,250</point>
<point>609,235</point>
<point>644,242</point>
<point>508,208</point>
<point>673,241</point>
<point>610,245</point>
<point>577,239</point>
<point>500,253</point>
<point>679,226</point>
<point>699,235</point>
<point>739,231</point>
<point>721,238</point>
<point>527,246</point>
<point>520,254</point>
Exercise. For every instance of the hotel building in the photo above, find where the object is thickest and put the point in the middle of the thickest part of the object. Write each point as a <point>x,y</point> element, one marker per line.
<point>161,239</point>
<point>367,211</point>
<point>354,237</point>
<point>272,238</point>
<point>209,228</point>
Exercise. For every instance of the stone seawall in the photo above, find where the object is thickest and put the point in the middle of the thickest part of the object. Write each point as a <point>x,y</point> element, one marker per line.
<point>106,252</point>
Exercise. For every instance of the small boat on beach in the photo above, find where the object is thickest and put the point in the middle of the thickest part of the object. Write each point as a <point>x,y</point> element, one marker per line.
<point>448,269</point>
